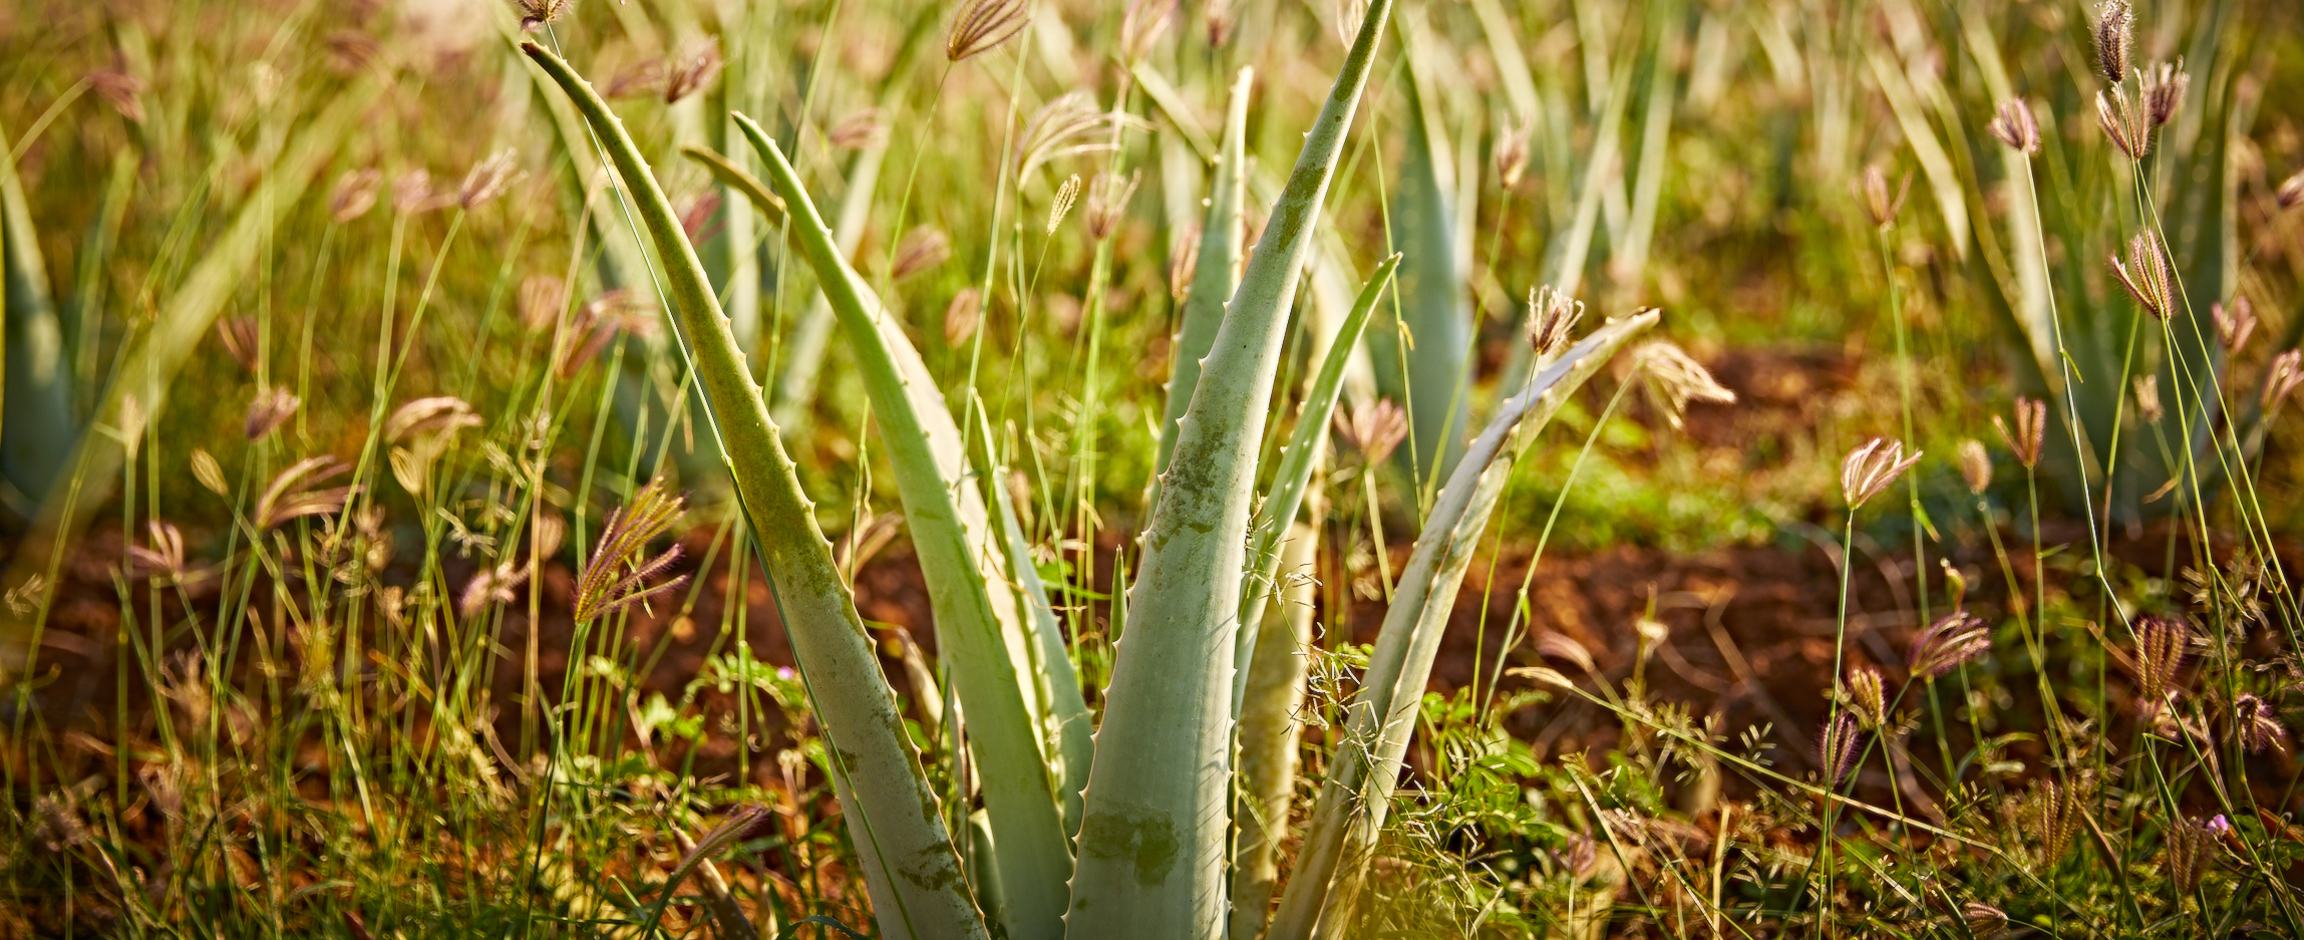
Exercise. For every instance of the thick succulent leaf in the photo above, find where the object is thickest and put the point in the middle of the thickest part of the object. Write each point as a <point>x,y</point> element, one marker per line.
<point>1155,837</point>
<point>1358,790</point>
<point>1215,272</point>
<point>1421,349</point>
<point>980,631</point>
<point>1298,458</point>
<point>36,434</point>
<point>149,364</point>
<point>909,862</point>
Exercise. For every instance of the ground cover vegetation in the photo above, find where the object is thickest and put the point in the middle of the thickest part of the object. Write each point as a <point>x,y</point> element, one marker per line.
<point>1173,469</point>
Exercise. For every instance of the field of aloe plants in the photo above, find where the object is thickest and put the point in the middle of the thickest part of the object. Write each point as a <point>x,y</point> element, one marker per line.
<point>1194,469</point>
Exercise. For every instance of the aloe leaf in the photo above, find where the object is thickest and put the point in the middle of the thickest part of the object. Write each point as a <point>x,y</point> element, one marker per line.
<point>1215,272</point>
<point>1382,717</point>
<point>1154,841</point>
<point>37,430</point>
<point>979,630</point>
<point>910,864</point>
<point>1059,686</point>
<point>152,359</point>
<point>1297,461</point>
<point>738,179</point>
<point>1421,349</point>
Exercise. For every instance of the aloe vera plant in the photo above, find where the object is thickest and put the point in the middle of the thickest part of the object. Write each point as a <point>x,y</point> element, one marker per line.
<point>1421,351</point>
<point>1155,821</point>
<point>38,427</point>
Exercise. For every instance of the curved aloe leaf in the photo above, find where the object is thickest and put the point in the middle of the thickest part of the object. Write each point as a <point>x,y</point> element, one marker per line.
<point>36,433</point>
<point>980,631</point>
<point>909,861</point>
<point>1294,474</point>
<point>1421,350</point>
<point>1215,273</point>
<point>1269,729</point>
<point>1358,790</point>
<point>1153,844</point>
<point>150,363</point>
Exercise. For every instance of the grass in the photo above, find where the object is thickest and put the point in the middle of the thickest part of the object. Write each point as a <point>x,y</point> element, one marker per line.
<point>401,664</point>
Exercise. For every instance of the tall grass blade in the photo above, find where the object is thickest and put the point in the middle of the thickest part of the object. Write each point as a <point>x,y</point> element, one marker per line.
<point>1153,844</point>
<point>149,364</point>
<point>1353,800</point>
<point>979,629</point>
<point>910,863</point>
<point>1215,272</point>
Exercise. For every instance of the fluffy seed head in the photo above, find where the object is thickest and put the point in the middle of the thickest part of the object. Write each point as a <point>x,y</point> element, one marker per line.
<point>1879,204</point>
<point>2160,646</point>
<point>2188,855</point>
<point>2125,124</point>
<point>355,194</point>
<point>1675,379</point>
<point>490,587</point>
<point>1871,467</point>
<point>291,496</point>
<point>2148,398</point>
<point>1956,638</point>
<point>2031,422</point>
<point>2162,89</point>
<point>983,25</point>
<point>2286,372</point>
<point>1108,202</point>
<point>537,14</point>
<point>2015,126</point>
<point>2145,275</point>
<point>693,68</point>
<point>1511,156</point>
<point>616,575</point>
<point>437,416</point>
<point>1975,465</point>
<point>1552,318</point>
<point>1373,428</point>
<point>2257,725</point>
<point>962,315</point>
<point>922,248</point>
<point>166,556</point>
<point>1063,127</point>
<point>1141,27</point>
<point>2115,36</point>
<point>412,193</point>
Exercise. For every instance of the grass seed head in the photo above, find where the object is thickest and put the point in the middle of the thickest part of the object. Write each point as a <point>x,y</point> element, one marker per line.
<point>2115,36</point>
<point>1954,639</point>
<point>2282,377</point>
<point>1879,205</point>
<point>1373,428</point>
<point>2290,194</point>
<point>1108,197</point>
<point>1983,919</point>
<point>1065,126</point>
<point>542,299</point>
<point>962,315</point>
<point>2148,398</point>
<point>165,557</point>
<point>1836,748</point>
<point>489,179</point>
<point>2163,89</point>
<point>355,194</point>
<point>693,68</point>
<point>862,130</point>
<point>268,410</point>
<point>2125,124</point>
<point>491,587</point>
<point>1866,697</point>
<point>2055,810</point>
<point>2145,275</point>
<point>537,14</point>
<point>2189,853</point>
<point>1141,27</point>
<point>2257,725</point>
<point>238,334</point>
<point>291,495</point>
<point>1182,266</point>
<point>437,416</point>
<point>983,25</point>
<point>2031,425</point>
<point>412,193</point>
<point>1975,465</point>
<point>2161,642</point>
<point>1066,195</point>
<point>1869,469</point>
<point>119,90</point>
<point>1675,379</point>
<point>1552,318</point>
<point>921,249</point>
<point>1555,645</point>
<point>2015,126</point>
<point>2234,321</point>
<point>1511,154</point>
<point>616,576</point>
